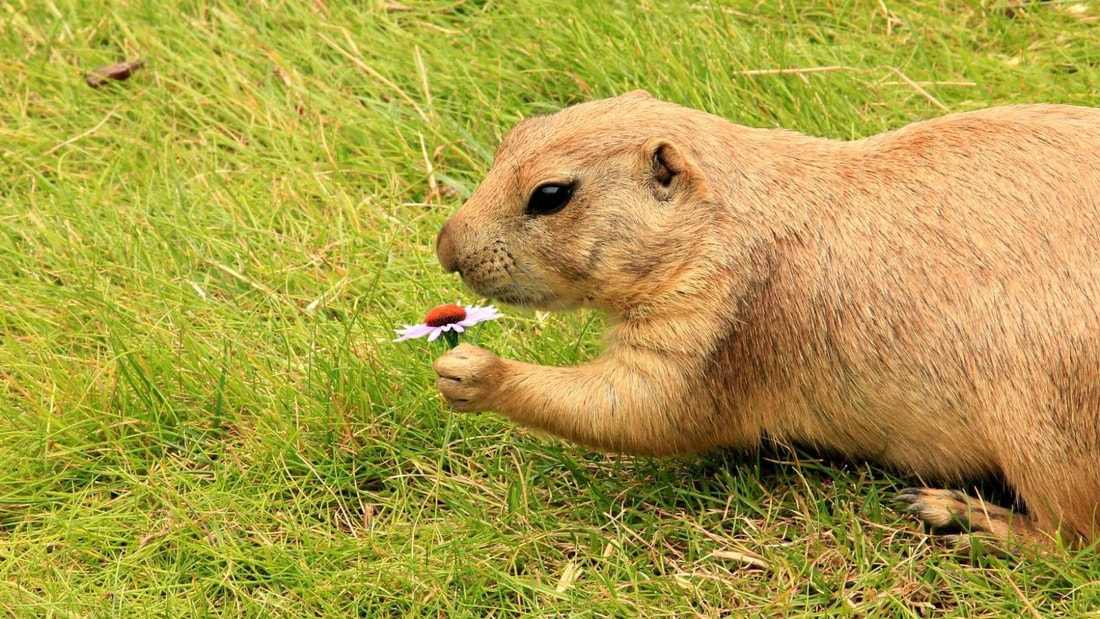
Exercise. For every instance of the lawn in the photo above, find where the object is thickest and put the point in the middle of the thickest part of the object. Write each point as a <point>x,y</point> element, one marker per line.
<point>202,267</point>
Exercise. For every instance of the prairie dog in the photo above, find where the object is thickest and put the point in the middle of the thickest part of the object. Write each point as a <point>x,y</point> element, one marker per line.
<point>926,298</point>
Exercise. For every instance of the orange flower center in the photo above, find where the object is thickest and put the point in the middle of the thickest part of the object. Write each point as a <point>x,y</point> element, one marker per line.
<point>445,315</point>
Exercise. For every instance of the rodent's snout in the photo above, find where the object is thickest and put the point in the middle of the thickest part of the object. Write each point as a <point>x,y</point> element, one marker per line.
<point>445,249</point>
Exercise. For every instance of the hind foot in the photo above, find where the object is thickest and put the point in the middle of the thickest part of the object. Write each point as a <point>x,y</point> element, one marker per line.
<point>951,509</point>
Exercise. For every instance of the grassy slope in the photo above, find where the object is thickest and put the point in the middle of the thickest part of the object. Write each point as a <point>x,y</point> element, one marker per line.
<point>201,411</point>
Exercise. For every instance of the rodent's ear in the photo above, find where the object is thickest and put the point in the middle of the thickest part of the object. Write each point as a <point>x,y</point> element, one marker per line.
<point>672,170</point>
<point>637,94</point>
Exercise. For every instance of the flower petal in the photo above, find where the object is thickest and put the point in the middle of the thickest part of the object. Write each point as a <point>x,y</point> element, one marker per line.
<point>434,335</point>
<point>475,314</point>
<point>411,332</point>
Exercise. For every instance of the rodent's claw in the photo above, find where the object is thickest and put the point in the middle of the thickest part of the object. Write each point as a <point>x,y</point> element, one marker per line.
<point>916,502</point>
<point>908,496</point>
<point>467,377</point>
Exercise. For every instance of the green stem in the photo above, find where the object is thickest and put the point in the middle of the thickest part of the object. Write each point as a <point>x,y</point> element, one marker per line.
<point>451,337</point>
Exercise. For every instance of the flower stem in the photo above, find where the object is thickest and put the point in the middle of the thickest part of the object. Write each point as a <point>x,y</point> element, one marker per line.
<point>451,337</point>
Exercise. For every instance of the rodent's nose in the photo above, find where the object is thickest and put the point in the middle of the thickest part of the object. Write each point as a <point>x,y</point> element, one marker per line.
<point>445,249</point>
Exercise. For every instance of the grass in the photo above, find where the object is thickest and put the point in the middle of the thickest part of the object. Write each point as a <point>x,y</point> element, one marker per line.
<point>201,410</point>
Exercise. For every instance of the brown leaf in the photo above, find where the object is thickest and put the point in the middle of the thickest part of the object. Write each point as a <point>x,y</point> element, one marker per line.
<point>121,71</point>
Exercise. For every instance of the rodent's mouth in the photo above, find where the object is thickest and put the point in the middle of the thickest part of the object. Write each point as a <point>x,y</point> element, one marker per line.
<point>521,298</point>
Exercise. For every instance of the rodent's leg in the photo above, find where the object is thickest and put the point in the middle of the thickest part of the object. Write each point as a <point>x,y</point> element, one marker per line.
<point>941,509</point>
<point>1062,494</point>
<point>635,402</point>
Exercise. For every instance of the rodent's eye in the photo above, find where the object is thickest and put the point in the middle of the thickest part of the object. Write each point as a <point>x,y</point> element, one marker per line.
<point>549,198</point>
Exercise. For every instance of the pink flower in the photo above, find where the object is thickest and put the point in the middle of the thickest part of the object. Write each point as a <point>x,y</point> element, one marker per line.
<point>450,319</point>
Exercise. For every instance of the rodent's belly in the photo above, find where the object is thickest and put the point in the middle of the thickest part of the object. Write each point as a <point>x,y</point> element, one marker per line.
<point>926,437</point>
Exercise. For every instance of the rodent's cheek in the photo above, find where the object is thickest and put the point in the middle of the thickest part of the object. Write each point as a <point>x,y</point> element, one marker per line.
<point>517,278</point>
<point>488,268</point>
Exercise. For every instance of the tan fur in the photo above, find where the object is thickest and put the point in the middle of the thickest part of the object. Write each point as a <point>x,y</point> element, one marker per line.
<point>927,298</point>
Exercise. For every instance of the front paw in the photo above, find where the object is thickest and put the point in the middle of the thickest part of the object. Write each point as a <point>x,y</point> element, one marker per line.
<point>468,377</point>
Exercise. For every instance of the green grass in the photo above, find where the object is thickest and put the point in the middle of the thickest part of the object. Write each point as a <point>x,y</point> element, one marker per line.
<point>202,413</point>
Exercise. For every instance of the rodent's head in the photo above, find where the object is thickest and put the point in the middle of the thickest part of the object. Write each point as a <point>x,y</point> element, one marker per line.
<point>592,206</point>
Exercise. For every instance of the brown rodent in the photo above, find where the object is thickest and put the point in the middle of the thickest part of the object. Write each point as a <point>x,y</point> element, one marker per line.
<point>927,298</point>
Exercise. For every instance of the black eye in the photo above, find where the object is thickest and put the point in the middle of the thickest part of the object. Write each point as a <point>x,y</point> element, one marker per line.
<point>549,198</point>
